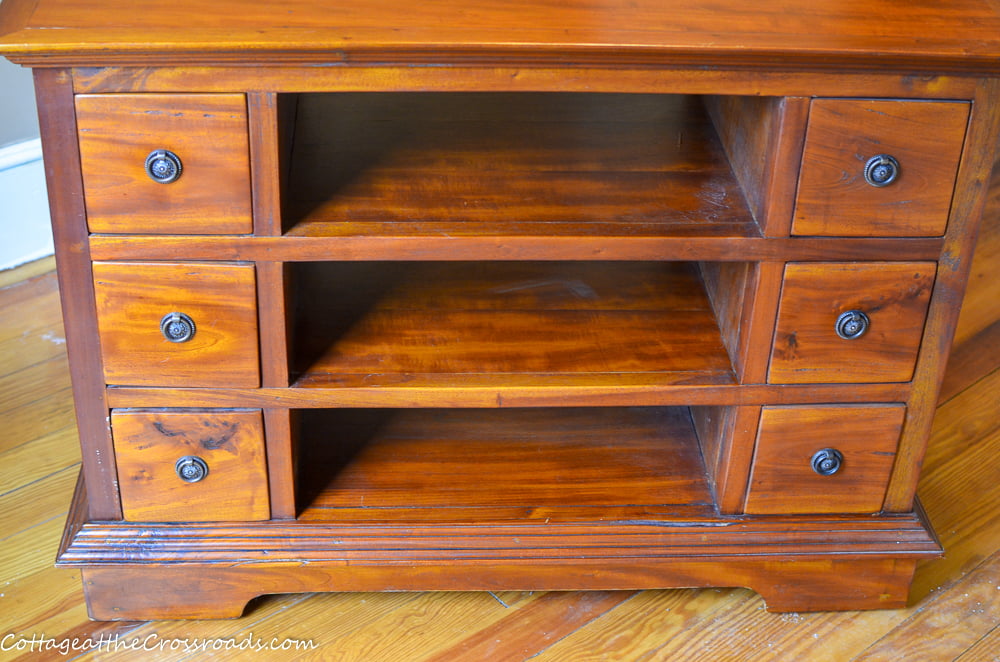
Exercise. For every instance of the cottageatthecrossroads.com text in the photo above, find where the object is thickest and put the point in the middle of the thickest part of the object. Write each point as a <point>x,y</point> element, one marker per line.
<point>108,642</point>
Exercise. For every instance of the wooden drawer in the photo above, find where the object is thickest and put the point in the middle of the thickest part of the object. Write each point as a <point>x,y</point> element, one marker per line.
<point>924,137</point>
<point>207,132</point>
<point>190,465</point>
<point>790,440</point>
<point>137,302</point>
<point>893,296</point>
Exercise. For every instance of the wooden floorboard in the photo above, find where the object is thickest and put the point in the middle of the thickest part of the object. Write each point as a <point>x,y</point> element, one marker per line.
<point>955,601</point>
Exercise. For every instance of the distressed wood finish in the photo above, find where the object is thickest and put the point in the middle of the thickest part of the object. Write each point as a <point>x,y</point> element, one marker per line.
<point>132,298</point>
<point>894,297</point>
<point>149,443</point>
<point>508,295</point>
<point>783,478</point>
<point>834,198</point>
<point>209,135</point>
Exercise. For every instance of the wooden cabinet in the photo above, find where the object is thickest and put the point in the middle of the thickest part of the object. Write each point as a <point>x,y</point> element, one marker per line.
<point>363,298</point>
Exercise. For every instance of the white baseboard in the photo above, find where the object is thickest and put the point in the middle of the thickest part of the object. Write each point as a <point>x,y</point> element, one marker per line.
<point>24,206</point>
<point>18,154</point>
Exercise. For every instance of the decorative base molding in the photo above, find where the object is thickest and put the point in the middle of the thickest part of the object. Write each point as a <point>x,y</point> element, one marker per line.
<point>143,571</point>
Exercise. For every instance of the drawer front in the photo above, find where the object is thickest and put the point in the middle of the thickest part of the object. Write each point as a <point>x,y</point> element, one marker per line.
<point>826,459</point>
<point>191,465</point>
<point>879,306</point>
<point>208,311</point>
<point>925,139</point>
<point>206,133</point>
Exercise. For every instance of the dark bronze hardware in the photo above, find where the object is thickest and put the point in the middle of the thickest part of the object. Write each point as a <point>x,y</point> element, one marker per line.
<point>191,468</point>
<point>163,166</point>
<point>881,170</point>
<point>852,324</point>
<point>177,327</point>
<point>827,461</point>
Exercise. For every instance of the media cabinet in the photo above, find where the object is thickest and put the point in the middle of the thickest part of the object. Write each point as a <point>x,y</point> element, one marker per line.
<point>366,296</point>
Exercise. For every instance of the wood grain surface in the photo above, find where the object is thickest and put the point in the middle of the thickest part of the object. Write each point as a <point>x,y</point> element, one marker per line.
<point>783,479</point>
<point>807,348</point>
<point>554,465</point>
<point>926,138</point>
<point>209,135</point>
<point>132,298</point>
<point>148,444</point>
<point>829,35</point>
<point>952,615</point>
<point>503,164</point>
<point>458,321</point>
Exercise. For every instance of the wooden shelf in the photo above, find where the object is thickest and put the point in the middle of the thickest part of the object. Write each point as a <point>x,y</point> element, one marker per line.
<point>510,165</point>
<point>472,325</point>
<point>520,465</point>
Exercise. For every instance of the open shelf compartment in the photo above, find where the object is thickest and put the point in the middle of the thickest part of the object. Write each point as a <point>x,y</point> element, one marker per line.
<point>464,325</point>
<point>536,465</point>
<point>511,164</point>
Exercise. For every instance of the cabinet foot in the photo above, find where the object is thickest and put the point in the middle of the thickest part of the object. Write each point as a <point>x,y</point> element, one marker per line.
<point>144,593</point>
<point>840,585</point>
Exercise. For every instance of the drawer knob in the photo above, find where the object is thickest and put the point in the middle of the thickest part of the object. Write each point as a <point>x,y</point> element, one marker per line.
<point>191,468</point>
<point>177,327</point>
<point>827,461</point>
<point>881,170</point>
<point>163,166</point>
<point>852,324</point>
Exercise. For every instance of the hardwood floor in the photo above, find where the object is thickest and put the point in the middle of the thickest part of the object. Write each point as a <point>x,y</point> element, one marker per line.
<point>955,600</point>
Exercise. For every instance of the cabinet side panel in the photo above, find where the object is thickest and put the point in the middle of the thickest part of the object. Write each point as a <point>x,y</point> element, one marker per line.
<point>726,436</point>
<point>744,297</point>
<point>971,191</point>
<point>54,91</point>
<point>763,140</point>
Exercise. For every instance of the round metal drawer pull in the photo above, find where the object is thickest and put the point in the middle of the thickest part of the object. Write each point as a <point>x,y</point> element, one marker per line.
<point>177,327</point>
<point>852,324</point>
<point>881,170</point>
<point>163,166</point>
<point>827,461</point>
<point>191,468</point>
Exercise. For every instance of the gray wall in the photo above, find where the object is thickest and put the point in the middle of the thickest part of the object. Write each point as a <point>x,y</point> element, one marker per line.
<point>17,104</point>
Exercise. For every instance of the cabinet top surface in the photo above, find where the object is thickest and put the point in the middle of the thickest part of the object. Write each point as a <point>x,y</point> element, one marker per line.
<point>893,35</point>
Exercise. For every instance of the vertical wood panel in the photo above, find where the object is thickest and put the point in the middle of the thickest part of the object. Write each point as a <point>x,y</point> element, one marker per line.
<point>57,120</point>
<point>760,310</point>
<point>727,435</point>
<point>262,116</point>
<point>974,179</point>
<point>280,435</point>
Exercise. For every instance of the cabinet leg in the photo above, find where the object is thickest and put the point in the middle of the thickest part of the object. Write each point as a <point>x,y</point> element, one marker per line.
<point>839,585</point>
<point>150,593</point>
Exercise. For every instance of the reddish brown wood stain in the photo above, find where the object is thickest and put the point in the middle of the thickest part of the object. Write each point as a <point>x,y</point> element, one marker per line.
<point>523,296</point>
